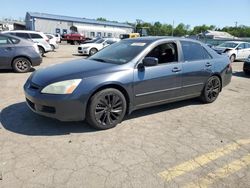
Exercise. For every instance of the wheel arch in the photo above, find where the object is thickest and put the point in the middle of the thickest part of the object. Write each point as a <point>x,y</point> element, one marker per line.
<point>112,86</point>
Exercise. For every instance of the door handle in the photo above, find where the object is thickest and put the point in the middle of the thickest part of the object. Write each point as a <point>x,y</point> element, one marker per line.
<point>208,64</point>
<point>176,69</point>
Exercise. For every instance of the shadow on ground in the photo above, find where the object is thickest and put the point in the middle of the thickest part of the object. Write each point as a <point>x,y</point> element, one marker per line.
<point>11,71</point>
<point>241,74</point>
<point>18,118</point>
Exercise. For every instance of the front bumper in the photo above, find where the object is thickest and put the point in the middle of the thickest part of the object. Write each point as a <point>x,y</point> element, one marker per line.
<point>84,51</point>
<point>61,107</point>
<point>36,61</point>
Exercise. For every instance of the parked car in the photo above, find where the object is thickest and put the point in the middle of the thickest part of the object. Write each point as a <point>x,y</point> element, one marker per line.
<point>126,76</point>
<point>52,42</point>
<point>246,66</point>
<point>18,54</point>
<point>58,38</point>
<point>94,40</point>
<point>91,48</point>
<point>74,38</point>
<point>236,50</point>
<point>37,37</point>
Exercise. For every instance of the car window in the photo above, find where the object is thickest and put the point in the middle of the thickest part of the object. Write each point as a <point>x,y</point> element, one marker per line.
<point>194,51</point>
<point>242,46</point>
<point>247,45</point>
<point>228,45</point>
<point>4,40</point>
<point>23,35</point>
<point>49,36</point>
<point>35,36</point>
<point>165,53</point>
<point>110,42</point>
<point>14,40</point>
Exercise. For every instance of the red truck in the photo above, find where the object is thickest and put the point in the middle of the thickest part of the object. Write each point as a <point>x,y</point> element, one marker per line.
<point>73,38</point>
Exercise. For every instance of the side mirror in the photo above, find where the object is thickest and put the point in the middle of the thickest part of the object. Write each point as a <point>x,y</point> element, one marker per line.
<point>150,61</point>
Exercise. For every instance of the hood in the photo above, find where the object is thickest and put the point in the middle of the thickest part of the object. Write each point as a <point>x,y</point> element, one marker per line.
<point>71,70</point>
<point>221,49</point>
<point>88,45</point>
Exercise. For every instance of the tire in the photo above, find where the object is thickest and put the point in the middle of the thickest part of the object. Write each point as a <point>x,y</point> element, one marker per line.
<point>76,42</point>
<point>41,51</point>
<point>106,109</point>
<point>21,65</point>
<point>211,90</point>
<point>52,47</point>
<point>92,51</point>
<point>232,58</point>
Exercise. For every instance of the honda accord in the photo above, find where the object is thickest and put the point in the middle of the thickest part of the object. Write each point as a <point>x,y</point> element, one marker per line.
<point>126,76</point>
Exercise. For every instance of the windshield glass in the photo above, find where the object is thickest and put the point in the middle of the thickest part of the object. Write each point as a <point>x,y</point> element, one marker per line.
<point>228,45</point>
<point>120,52</point>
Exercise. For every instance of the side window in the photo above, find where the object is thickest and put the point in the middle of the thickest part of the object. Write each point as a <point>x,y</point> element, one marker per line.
<point>23,35</point>
<point>58,30</point>
<point>165,53</point>
<point>4,40</point>
<point>65,31</point>
<point>194,51</point>
<point>14,41</point>
<point>92,34</point>
<point>247,45</point>
<point>35,36</point>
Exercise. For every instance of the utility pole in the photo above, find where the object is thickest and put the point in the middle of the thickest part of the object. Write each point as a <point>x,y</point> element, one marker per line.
<point>173,29</point>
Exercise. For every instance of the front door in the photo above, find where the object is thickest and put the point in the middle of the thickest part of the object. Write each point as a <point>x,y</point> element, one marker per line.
<point>158,83</point>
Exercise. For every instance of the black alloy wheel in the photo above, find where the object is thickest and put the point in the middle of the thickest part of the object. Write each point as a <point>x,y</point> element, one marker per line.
<point>107,108</point>
<point>211,90</point>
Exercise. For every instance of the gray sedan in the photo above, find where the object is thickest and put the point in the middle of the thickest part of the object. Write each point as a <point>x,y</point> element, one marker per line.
<point>18,54</point>
<point>126,76</point>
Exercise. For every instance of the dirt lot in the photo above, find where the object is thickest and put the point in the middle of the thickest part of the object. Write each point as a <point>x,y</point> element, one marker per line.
<point>184,144</point>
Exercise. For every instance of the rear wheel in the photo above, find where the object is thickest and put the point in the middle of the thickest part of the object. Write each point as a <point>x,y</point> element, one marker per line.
<point>52,47</point>
<point>41,51</point>
<point>92,51</point>
<point>106,109</point>
<point>21,65</point>
<point>211,90</point>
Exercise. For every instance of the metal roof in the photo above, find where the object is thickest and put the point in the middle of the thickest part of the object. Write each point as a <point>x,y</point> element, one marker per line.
<point>76,19</point>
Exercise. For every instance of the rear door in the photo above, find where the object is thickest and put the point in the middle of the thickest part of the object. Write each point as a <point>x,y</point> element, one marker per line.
<point>197,67</point>
<point>6,52</point>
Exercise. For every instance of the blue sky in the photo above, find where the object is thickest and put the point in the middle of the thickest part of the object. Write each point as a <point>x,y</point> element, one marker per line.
<point>193,12</point>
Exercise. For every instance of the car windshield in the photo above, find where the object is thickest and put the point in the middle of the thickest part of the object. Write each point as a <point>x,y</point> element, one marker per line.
<point>121,52</point>
<point>228,45</point>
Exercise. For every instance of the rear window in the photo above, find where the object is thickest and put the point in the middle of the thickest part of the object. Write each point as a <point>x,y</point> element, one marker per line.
<point>35,36</point>
<point>4,40</point>
<point>194,51</point>
<point>23,35</point>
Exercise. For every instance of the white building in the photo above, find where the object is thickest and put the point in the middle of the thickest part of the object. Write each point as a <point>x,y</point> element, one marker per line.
<point>49,23</point>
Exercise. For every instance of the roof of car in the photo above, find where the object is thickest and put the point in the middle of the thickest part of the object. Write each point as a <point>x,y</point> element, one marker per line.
<point>237,42</point>
<point>21,31</point>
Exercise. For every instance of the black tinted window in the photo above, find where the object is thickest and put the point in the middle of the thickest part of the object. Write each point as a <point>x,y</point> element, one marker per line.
<point>165,53</point>
<point>193,51</point>
<point>23,35</point>
<point>35,36</point>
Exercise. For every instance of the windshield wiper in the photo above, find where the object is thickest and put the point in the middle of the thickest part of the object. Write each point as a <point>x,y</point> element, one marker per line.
<point>98,59</point>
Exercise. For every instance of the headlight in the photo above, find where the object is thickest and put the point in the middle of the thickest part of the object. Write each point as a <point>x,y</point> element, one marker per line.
<point>63,87</point>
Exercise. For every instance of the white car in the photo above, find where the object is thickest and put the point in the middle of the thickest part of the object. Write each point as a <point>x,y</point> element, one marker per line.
<point>58,37</point>
<point>38,37</point>
<point>53,42</point>
<point>236,50</point>
<point>92,48</point>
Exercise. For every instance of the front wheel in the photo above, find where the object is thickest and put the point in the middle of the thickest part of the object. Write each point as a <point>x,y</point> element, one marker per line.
<point>232,58</point>
<point>106,109</point>
<point>211,90</point>
<point>92,51</point>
